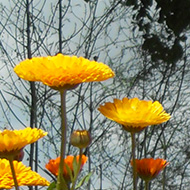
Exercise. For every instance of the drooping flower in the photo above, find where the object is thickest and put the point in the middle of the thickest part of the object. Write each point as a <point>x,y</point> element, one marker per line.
<point>25,176</point>
<point>62,70</point>
<point>80,138</point>
<point>149,168</point>
<point>53,165</point>
<point>12,141</point>
<point>134,114</point>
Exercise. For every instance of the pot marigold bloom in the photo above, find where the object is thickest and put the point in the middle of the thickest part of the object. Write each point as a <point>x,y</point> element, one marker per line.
<point>12,142</point>
<point>62,70</point>
<point>53,165</point>
<point>134,114</point>
<point>25,176</point>
<point>149,168</point>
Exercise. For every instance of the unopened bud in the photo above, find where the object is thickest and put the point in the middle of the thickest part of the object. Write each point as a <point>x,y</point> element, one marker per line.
<point>80,138</point>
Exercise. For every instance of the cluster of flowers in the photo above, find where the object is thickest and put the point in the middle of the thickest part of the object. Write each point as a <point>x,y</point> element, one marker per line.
<point>11,154</point>
<point>135,115</point>
<point>64,73</point>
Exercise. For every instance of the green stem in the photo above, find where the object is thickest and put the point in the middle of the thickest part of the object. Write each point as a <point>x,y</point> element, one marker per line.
<point>13,173</point>
<point>134,162</point>
<point>146,185</point>
<point>78,169</point>
<point>61,184</point>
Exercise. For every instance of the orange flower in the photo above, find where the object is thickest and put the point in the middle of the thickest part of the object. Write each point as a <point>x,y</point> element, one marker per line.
<point>25,176</point>
<point>53,165</point>
<point>62,70</point>
<point>149,168</point>
<point>134,114</point>
<point>11,142</point>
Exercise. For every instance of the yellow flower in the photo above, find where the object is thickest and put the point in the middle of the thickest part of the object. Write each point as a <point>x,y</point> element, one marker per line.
<point>149,168</point>
<point>53,165</point>
<point>62,70</point>
<point>134,114</point>
<point>25,176</point>
<point>11,142</point>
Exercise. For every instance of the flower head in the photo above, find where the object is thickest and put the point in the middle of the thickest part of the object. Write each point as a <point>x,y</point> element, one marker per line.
<point>149,168</point>
<point>134,114</point>
<point>53,165</point>
<point>80,138</point>
<point>62,70</point>
<point>25,176</point>
<point>11,142</point>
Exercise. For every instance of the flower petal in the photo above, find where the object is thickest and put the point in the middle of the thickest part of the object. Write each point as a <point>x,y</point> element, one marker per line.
<point>17,139</point>
<point>60,70</point>
<point>53,165</point>
<point>25,176</point>
<point>134,114</point>
<point>149,168</point>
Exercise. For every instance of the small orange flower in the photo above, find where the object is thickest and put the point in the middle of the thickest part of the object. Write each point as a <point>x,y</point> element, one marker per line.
<point>12,141</point>
<point>134,114</point>
<point>53,165</point>
<point>25,176</point>
<point>62,70</point>
<point>149,168</point>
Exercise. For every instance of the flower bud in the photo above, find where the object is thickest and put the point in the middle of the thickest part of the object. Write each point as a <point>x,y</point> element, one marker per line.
<point>80,138</point>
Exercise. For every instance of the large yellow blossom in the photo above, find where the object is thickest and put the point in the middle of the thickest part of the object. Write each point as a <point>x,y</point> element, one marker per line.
<point>11,142</point>
<point>149,168</point>
<point>53,165</point>
<point>134,114</point>
<point>25,176</point>
<point>62,70</point>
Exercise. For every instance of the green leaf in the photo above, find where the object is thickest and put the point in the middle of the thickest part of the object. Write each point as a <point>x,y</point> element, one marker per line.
<point>75,166</point>
<point>52,186</point>
<point>69,171</point>
<point>64,183</point>
<point>85,179</point>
